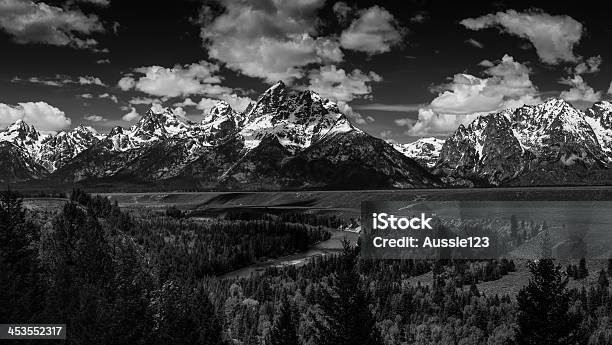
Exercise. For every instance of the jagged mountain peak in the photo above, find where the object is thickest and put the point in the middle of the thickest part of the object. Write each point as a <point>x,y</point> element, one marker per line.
<point>115,130</point>
<point>601,111</point>
<point>158,123</point>
<point>20,129</point>
<point>219,110</point>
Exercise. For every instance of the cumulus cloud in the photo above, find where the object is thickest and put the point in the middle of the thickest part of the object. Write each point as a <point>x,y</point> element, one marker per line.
<point>404,121</point>
<point>579,91</point>
<point>89,80</point>
<point>103,61</point>
<point>610,89</point>
<point>474,43</point>
<point>179,111</point>
<point>44,116</point>
<point>131,116</point>
<point>342,10</point>
<point>238,103</point>
<point>553,37</point>
<point>505,85</point>
<point>206,104</point>
<point>94,118</point>
<point>197,78</point>
<point>36,22</point>
<point>336,84</point>
<point>270,40</point>
<point>591,65</point>
<point>375,31</point>
<point>347,110</point>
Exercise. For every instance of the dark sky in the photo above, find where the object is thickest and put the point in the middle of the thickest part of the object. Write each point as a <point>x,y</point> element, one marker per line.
<point>400,69</point>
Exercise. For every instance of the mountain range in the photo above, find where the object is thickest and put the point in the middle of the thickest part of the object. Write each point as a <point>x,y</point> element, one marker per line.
<point>293,139</point>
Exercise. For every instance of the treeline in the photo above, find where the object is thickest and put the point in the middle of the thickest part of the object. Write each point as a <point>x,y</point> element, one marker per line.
<point>195,249</point>
<point>329,221</point>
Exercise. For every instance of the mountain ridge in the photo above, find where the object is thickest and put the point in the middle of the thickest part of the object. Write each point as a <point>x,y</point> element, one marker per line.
<point>283,141</point>
<point>297,139</point>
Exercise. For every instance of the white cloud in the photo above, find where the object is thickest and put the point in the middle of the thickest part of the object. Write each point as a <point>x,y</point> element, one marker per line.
<point>474,43</point>
<point>206,104</point>
<point>610,89</point>
<point>579,90</point>
<point>342,10</point>
<point>89,80</point>
<point>94,118</point>
<point>336,84</point>
<point>144,100</point>
<point>553,37</point>
<point>102,3</point>
<point>374,32</point>
<point>591,65</point>
<point>272,40</point>
<point>346,109</point>
<point>60,80</point>
<point>505,85</point>
<point>238,103</point>
<point>197,78</point>
<point>109,96</point>
<point>103,61</point>
<point>187,102</point>
<point>179,111</point>
<point>131,116</point>
<point>126,83</point>
<point>40,114</point>
<point>391,107</point>
<point>36,22</point>
<point>431,123</point>
<point>420,17</point>
<point>404,121</point>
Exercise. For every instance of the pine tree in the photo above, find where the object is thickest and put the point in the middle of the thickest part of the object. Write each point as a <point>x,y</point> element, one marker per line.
<point>474,290</point>
<point>583,271</point>
<point>284,330</point>
<point>544,317</point>
<point>350,320</point>
<point>602,281</point>
<point>610,267</point>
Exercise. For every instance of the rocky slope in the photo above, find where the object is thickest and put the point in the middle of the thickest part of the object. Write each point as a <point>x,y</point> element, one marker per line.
<point>549,143</point>
<point>426,151</point>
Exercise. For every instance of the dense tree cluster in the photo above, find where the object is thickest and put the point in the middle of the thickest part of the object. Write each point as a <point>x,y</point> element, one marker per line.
<point>117,277</point>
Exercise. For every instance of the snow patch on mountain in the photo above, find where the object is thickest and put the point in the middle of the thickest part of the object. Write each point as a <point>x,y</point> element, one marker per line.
<point>425,150</point>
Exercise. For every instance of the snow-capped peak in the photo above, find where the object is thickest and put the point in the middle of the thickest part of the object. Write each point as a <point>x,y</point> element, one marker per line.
<point>158,123</point>
<point>295,118</point>
<point>20,129</point>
